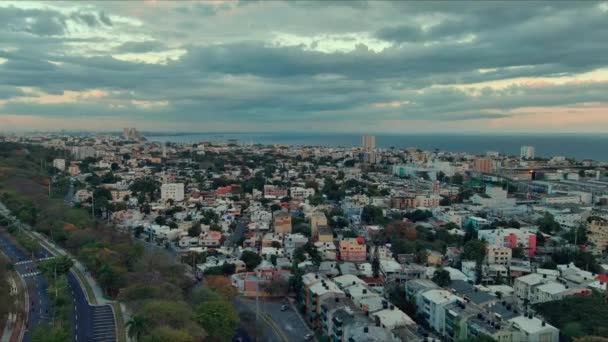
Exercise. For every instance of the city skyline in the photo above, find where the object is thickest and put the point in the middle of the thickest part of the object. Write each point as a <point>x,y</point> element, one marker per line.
<point>347,67</point>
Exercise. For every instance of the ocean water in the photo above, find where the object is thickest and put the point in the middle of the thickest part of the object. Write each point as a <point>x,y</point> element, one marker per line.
<point>588,146</point>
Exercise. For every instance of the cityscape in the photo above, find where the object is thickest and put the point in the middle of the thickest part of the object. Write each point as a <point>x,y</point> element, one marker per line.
<point>307,170</point>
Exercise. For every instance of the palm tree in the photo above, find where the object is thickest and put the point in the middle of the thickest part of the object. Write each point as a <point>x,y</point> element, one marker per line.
<point>137,325</point>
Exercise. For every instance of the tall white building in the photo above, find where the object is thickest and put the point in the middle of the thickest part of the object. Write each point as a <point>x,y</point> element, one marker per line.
<point>368,142</point>
<point>174,191</point>
<point>527,152</point>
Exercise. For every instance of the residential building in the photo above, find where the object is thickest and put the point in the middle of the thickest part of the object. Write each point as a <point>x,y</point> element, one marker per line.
<point>432,307</point>
<point>532,329</point>
<point>282,222</point>
<point>527,152</point>
<point>317,219</point>
<point>498,255</point>
<point>597,234</point>
<point>298,193</point>
<point>353,249</point>
<point>368,142</point>
<point>483,165</point>
<point>273,191</point>
<point>172,191</point>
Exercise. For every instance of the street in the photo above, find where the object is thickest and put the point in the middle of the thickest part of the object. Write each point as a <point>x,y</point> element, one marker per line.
<point>238,233</point>
<point>89,323</point>
<point>289,322</point>
<point>36,284</point>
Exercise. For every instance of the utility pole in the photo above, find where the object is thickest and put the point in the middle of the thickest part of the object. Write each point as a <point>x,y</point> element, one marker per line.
<point>257,308</point>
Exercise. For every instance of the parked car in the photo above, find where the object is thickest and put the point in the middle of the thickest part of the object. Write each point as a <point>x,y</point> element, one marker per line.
<point>308,337</point>
<point>284,307</point>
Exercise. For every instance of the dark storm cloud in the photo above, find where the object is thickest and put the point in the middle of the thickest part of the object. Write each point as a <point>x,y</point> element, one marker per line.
<point>6,92</point>
<point>140,47</point>
<point>249,79</point>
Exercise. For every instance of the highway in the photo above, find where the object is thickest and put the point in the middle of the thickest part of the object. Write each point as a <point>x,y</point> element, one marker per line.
<point>89,323</point>
<point>39,302</point>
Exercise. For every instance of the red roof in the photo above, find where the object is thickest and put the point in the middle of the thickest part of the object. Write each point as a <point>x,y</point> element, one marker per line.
<point>602,278</point>
<point>360,240</point>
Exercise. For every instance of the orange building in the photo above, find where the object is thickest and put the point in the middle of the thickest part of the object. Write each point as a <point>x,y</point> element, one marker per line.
<point>353,249</point>
<point>282,222</point>
<point>483,165</point>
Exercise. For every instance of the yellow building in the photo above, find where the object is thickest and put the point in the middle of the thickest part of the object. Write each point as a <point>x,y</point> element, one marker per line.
<point>598,235</point>
<point>317,219</point>
<point>325,234</point>
<point>499,255</point>
<point>281,222</point>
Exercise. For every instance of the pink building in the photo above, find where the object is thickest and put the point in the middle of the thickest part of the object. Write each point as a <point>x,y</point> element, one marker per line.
<point>271,191</point>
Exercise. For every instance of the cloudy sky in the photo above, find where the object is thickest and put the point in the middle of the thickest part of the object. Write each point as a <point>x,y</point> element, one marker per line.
<point>305,66</point>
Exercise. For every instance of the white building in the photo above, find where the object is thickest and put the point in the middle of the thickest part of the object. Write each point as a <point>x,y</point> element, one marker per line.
<point>532,329</point>
<point>494,197</point>
<point>527,152</point>
<point>299,193</point>
<point>432,307</point>
<point>59,164</point>
<point>173,191</point>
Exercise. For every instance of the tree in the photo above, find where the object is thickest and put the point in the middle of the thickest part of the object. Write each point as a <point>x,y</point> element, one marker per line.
<point>457,179</point>
<point>137,326</point>
<point>221,285</point>
<point>218,318</point>
<point>589,312</point>
<point>251,259</point>
<point>474,250</point>
<point>442,278</point>
<point>163,334</point>
<point>275,287</point>
<point>547,224</point>
<point>376,264</point>
<point>46,333</point>
<point>518,252</point>
<point>445,202</point>
<point>195,229</point>
<point>372,215</point>
<point>138,231</point>
<point>57,266</point>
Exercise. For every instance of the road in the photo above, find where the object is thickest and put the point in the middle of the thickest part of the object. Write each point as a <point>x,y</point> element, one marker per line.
<point>289,321</point>
<point>36,284</point>
<point>237,234</point>
<point>268,334</point>
<point>89,323</point>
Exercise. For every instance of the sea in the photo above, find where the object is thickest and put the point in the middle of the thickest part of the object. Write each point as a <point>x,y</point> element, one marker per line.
<point>578,146</point>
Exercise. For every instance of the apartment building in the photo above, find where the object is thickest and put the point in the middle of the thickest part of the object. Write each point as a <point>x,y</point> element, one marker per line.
<point>498,255</point>
<point>317,219</point>
<point>172,191</point>
<point>353,249</point>
<point>282,222</point>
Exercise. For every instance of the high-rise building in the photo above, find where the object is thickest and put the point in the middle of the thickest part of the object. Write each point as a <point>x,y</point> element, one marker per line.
<point>527,152</point>
<point>130,134</point>
<point>483,165</point>
<point>368,142</point>
<point>173,191</point>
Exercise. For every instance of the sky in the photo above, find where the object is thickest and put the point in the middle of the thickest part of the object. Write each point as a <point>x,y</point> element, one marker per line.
<point>305,66</point>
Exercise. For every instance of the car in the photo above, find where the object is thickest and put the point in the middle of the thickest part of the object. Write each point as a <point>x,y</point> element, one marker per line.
<point>308,337</point>
<point>284,307</point>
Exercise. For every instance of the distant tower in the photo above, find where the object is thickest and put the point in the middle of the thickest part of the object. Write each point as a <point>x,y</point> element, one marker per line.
<point>527,152</point>
<point>164,151</point>
<point>368,142</point>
